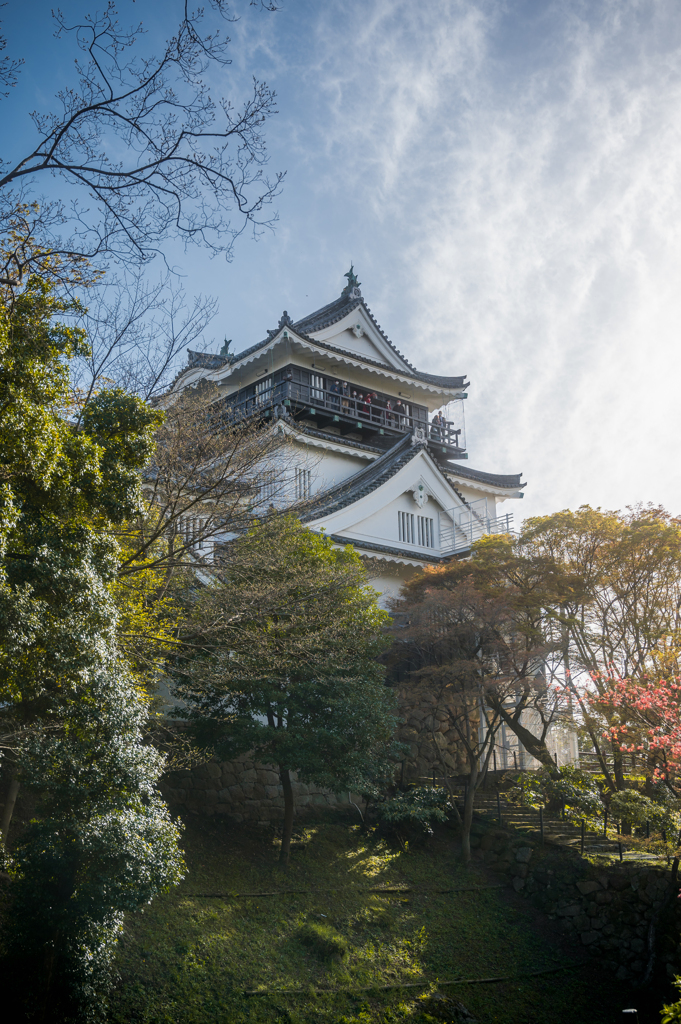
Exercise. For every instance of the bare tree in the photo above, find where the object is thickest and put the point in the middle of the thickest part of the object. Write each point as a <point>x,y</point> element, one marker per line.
<point>213,474</point>
<point>136,331</point>
<point>186,166</point>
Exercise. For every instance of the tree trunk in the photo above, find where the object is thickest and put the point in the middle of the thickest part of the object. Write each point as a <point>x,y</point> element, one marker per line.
<point>285,853</point>
<point>10,801</point>
<point>533,745</point>
<point>468,812</point>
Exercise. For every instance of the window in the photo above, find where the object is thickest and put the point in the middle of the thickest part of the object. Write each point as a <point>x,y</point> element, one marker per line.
<point>303,483</point>
<point>317,392</point>
<point>192,532</point>
<point>423,535</point>
<point>425,532</point>
<point>263,389</point>
<point>405,526</point>
<point>267,485</point>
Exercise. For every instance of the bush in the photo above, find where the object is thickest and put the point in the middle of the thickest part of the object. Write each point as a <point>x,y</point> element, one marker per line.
<point>418,806</point>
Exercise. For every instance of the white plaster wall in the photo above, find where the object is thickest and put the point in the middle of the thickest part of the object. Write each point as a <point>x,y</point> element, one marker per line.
<point>382,526</point>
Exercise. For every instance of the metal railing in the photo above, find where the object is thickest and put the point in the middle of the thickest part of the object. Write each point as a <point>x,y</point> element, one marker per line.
<point>461,527</point>
<point>372,412</point>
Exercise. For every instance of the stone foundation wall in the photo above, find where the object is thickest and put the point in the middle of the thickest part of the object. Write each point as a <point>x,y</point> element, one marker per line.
<point>245,790</point>
<point>610,910</point>
<point>429,734</point>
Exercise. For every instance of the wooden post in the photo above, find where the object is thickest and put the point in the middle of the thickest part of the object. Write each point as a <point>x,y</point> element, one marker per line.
<point>605,823</point>
<point>494,755</point>
<point>583,835</point>
<point>541,823</point>
<point>498,807</point>
<point>619,845</point>
<point>515,761</point>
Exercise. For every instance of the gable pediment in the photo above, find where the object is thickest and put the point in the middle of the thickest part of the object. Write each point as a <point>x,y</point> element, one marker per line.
<point>418,490</point>
<point>356,332</point>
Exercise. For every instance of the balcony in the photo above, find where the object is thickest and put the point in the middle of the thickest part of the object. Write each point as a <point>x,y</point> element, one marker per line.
<point>468,524</point>
<point>379,418</point>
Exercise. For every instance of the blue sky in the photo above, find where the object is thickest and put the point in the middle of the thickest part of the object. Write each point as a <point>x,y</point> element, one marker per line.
<point>506,178</point>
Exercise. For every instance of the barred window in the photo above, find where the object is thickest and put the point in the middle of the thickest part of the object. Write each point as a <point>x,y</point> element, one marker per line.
<point>426,536</point>
<point>405,527</point>
<point>303,483</point>
<point>421,532</point>
<point>267,485</point>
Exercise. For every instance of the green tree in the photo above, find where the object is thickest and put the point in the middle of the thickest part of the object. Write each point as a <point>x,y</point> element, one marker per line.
<point>71,716</point>
<point>291,633</point>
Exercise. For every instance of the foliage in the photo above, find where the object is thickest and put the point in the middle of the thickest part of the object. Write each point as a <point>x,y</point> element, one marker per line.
<point>71,717</point>
<point>672,1014</point>
<point>592,596</point>
<point>292,633</point>
<point>638,809</point>
<point>417,805</point>
<point>645,717</point>
<point>575,790</point>
<point>103,843</point>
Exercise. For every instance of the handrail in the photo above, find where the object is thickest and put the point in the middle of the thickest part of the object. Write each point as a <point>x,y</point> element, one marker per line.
<point>467,526</point>
<point>364,411</point>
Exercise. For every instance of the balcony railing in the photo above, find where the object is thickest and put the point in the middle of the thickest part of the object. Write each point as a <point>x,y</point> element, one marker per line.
<point>308,401</point>
<point>461,527</point>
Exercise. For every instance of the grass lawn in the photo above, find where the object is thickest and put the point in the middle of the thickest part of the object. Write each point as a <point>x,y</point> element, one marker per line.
<point>190,959</point>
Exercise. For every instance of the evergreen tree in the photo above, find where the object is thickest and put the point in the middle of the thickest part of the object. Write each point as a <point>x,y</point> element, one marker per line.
<point>102,841</point>
<point>292,633</point>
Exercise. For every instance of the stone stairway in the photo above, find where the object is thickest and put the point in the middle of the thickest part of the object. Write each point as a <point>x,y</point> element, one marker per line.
<point>526,821</point>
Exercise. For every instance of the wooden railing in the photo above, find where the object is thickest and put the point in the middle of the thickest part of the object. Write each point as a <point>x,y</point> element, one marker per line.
<point>318,400</point>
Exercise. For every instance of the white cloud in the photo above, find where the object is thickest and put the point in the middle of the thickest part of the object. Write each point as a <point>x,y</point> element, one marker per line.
<point>521,201</point>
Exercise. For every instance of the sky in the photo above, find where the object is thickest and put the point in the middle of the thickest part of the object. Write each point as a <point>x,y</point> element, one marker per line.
<point>506,179</point>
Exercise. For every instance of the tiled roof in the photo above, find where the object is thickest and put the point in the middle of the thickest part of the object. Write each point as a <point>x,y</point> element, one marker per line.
<point>495,479</point>
<point>332,313</point>
<point>206,360</point>
<point>335,311</point>
<point>366,481</point>
<point>412,555</point>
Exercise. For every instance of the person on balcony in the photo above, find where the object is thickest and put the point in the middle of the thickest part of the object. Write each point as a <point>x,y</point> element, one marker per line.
<point>437,427</point>
<point>367,405</point>
<point>334,394</point>
<point>400,417</point>
<point>345,400</point>
<point>388,413</point>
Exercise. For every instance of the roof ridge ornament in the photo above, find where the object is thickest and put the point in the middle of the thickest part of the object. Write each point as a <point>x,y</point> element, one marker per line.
<point>284,321</point>
<point>351,290</point>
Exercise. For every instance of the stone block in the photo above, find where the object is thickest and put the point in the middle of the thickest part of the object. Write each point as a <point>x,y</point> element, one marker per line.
<point>249,775</point>
<point>588,938</point>
<point>637,945</point>
<point>619,882</point>
<point>604,897</point>
<point>587,886</point>
<point>271,792</point>
<point>518,884</point>
<point>572,911</point>
<point>247,788</point>
<point>237,794</point>
<point>211,796</point>
<point>229,779</point>
<point>213,770</point>
<point>487,842</point>
<point>225,795</point>
<point>524,854</point>
<point>223,808</point>
<point>268,777</point>
<point>520,870</point>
